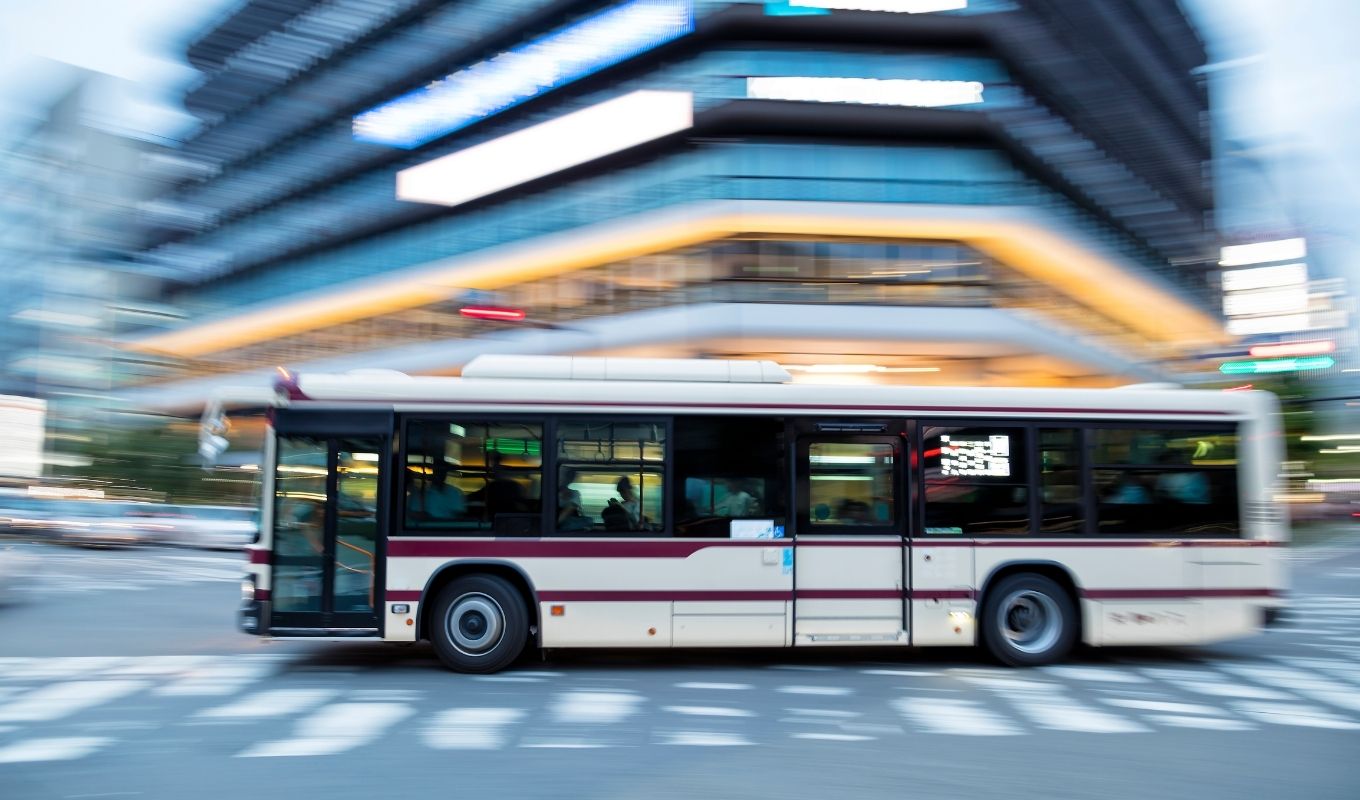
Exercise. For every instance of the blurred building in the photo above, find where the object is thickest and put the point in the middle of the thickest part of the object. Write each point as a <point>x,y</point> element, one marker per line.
<point>933,191</point>
<point>69,191</point>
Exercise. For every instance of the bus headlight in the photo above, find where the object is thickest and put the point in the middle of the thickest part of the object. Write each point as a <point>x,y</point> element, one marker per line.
<point>248,589</point>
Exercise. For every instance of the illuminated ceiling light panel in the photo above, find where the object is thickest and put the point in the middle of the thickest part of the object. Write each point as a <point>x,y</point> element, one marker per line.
<point>548,147</point>
<point>517,75</point>
<point>1289,300</point>
<point>1240,255</point>
<point>1254,326</point>
<point>893,6</point>
<point>1241,280</point>
<point>867,91</point>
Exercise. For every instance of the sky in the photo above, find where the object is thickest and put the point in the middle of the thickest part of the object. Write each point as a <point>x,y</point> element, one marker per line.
<point>1284,81</point>
<point>140,41</point>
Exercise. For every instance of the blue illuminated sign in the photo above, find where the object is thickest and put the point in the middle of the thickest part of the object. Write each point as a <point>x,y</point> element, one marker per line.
<point>517,75</point>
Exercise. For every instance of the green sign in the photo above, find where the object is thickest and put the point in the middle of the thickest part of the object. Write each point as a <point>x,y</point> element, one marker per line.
<point>1277,365</point>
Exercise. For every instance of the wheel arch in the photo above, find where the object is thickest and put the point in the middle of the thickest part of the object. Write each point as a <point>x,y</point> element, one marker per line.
<point>452,570</point>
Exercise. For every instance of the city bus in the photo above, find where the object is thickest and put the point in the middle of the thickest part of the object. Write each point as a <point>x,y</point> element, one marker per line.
<point>571,502</point>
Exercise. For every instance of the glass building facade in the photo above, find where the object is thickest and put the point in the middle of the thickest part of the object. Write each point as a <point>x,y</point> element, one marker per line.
<point>1061,184</point>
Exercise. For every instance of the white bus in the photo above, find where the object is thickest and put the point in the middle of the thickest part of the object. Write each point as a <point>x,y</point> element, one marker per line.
<point>588,503</point>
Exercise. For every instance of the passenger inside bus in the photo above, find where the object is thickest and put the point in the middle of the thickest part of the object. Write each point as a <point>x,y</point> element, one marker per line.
<point>438,500</point>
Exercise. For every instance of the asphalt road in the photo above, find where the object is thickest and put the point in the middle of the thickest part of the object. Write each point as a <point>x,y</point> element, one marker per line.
<point>122,676</point>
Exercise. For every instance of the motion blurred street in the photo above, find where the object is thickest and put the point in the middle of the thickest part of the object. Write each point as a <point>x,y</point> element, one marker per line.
<point>121,675</point>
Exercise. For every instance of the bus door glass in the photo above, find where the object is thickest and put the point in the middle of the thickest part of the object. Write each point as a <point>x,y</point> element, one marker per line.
<point>326,534</point>
<point>849,551</point>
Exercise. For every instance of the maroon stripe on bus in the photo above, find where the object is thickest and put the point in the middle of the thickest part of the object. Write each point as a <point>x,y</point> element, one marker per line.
<point>262,594</point>
<point>258,556</point>
<point>778,407</point>
<point>565,548</point>
<point>943,594</point>
<point>629,595</point>
<point>1111,543</point>
<point>671,548</point>
<point>1176,594</point>
<point>849,594</point>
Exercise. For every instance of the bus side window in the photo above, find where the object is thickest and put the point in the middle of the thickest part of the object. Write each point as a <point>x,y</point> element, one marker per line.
<point>727,468</point>
<point>610,476</point>
<point>1166,481</point>
<point>474,476</point>
<point>976,480</point>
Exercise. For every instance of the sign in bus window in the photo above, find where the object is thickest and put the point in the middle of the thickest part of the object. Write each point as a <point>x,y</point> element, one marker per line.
<point>976,481</point>
<point>850,484</point>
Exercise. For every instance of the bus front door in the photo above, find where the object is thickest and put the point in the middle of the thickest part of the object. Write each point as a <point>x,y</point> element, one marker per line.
<point>848,545</point>
<point>326,536</point>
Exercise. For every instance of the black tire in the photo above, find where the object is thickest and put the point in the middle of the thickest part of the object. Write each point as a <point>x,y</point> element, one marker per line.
<point>1028,621</point>
<point>480,624</point>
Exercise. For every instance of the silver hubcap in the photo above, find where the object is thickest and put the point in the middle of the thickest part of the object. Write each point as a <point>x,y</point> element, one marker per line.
<point>1030,621</point>
<point>475,624</point>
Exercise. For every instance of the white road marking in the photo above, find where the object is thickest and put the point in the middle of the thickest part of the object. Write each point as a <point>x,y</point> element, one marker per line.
<point>157,665</point>
<point>1306,684</point>
<point>269,704</point>
<point>65,667</point>
<point>726,687</point>
<point>596,708</point>
<point>705,739</point>
<point>824,712</point>
<point>1345,669</point>
<point>1302,716</point>
<point>953,717</point>
<point>508,679</point>
<point>1204,723</point>
<point>1096,674</point>
<point>334,729</point>
<point>710,711</point>
<point>900,673</point>
<point>222,677</point>
<point>1048,707</point>
<point>1214,684</point>
<point>834,737</point>
<point>565,744</point>
<point>1160,705</point>
<point>823,691</point>
<point>470,728</point>
<point>62,699</point>
<point>60,749</point>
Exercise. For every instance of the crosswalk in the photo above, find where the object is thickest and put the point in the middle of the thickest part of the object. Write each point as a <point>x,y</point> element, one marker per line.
<point>280,705</point>
<point>43,722</point>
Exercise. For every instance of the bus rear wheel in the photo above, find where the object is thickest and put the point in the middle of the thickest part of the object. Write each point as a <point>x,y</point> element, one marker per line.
<point>1028,620</point>
<point>480,624</point>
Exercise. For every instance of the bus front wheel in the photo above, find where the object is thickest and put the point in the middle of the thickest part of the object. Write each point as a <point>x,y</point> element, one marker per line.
<point>480,624</point>
<point>1028,620</point>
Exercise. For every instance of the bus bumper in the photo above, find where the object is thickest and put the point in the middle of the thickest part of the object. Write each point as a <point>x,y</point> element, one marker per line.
<point>253,617</point>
